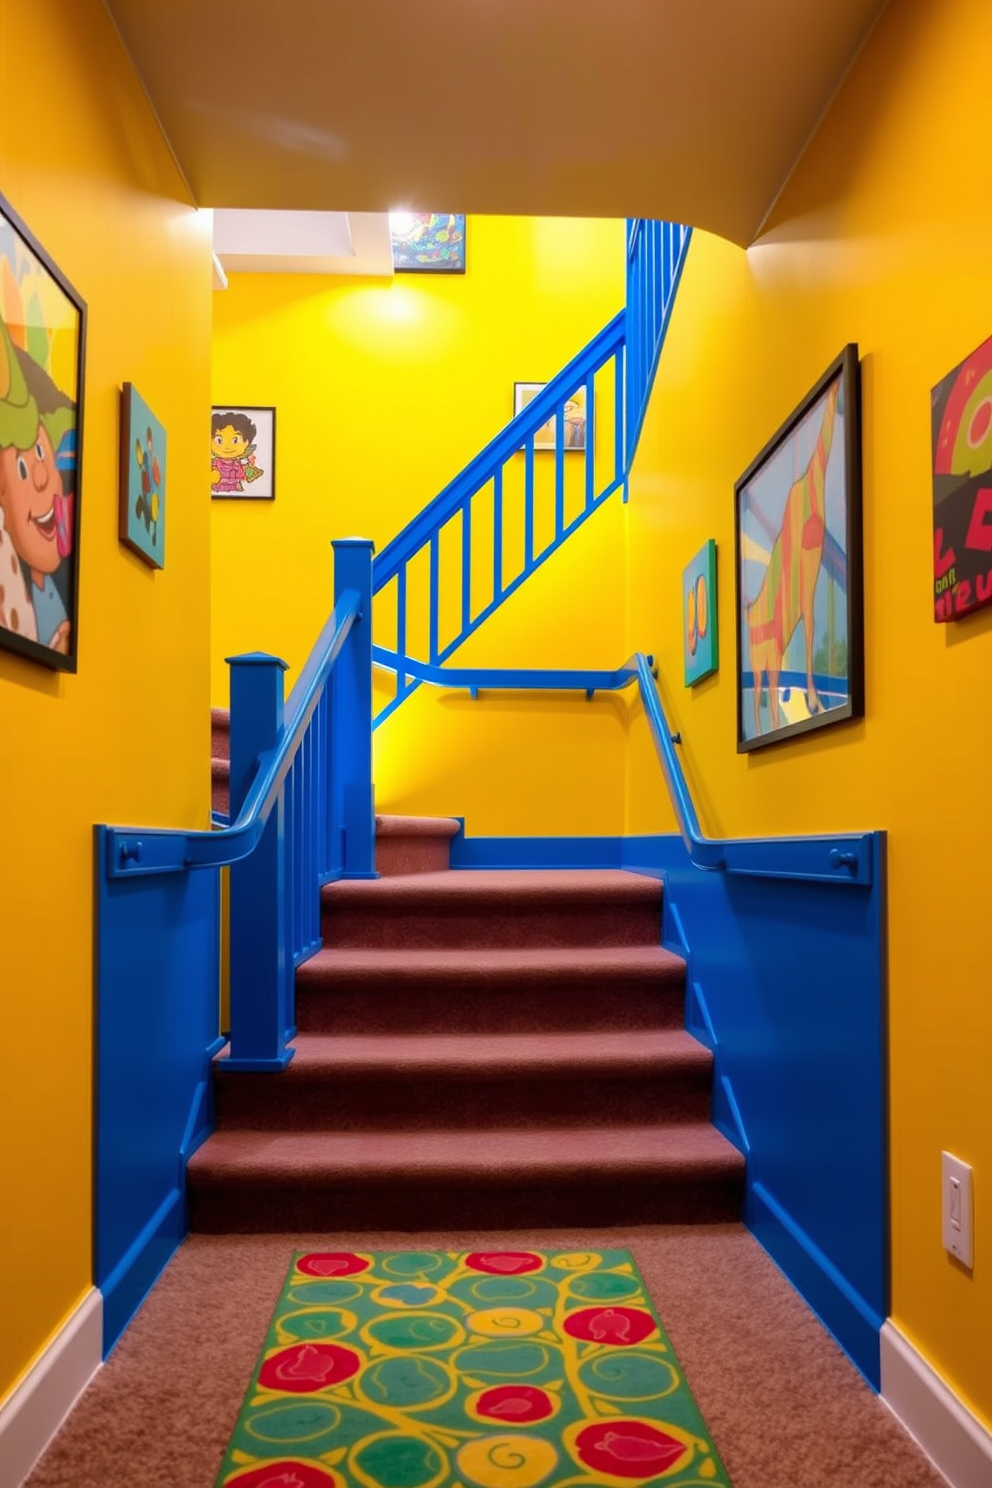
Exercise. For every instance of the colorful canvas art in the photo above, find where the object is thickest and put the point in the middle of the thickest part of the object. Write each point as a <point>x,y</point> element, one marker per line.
<point>143,465</point>
<point>42,345</point>
<point>428,242</point>
<point>243,452</point>
<point>479,1369</point>
<point>574,420</point>
<point>961,424</point>
<point>799,587</point>
<point>700,649</point>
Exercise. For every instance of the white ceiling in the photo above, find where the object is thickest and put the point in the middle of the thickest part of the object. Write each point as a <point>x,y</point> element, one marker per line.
<point>694,110</point>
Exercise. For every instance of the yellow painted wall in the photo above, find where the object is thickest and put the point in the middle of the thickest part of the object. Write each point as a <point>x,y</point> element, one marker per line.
<point>884,237</point>
<point>384,390</point>
<point>127,738</point>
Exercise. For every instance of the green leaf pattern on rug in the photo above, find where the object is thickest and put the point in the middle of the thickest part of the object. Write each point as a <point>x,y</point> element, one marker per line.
<point>480,1369</point>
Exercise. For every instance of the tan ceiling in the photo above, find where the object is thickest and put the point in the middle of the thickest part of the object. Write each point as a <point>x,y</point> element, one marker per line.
<point>694,110</point>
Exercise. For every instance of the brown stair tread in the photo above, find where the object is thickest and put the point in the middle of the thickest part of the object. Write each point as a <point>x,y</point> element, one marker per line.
<point>416,826</point>
<point>519,887</point>
<point>689,1152</point>
<point>450,963</point>
<point>491,1057</point>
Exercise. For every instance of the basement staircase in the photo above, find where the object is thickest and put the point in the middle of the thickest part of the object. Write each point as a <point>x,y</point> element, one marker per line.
<point>475,1049</point>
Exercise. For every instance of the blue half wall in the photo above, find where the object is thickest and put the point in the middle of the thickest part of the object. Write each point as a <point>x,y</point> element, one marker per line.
<point>786,983</point>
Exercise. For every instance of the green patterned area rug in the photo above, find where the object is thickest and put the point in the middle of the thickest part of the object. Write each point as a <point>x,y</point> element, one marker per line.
<point>486,1369</point>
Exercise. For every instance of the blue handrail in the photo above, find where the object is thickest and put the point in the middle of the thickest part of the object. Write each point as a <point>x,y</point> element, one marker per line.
<point>834,858</point>
<point>301,799</point>
<point>160,849</point>
<point>552,486</point>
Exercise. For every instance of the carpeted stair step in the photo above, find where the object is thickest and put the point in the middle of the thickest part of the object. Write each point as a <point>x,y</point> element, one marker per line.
<point>458,1081</point>
<point>470,990</point>
<point>413,844</point>
<point>220,759</point>
<point>494,908</point>
<point>240,1182</point>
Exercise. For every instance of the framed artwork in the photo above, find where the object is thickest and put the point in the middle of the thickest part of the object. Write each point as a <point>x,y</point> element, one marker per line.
<point>428,242</point>
<point>42,355</point>
<point>961,427</point>
<point>700,645</point>
<point>243,452</point>
<point>575,417</point>
<point>800,647</point>
<point>141,511</point>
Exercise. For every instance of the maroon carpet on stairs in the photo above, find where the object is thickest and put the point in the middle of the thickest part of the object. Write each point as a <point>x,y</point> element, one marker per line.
<point>487,1049</point>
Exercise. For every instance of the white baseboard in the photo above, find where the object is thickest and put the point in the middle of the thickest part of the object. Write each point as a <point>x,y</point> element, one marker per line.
<point>954,1439</point>
<point>36,1408</point>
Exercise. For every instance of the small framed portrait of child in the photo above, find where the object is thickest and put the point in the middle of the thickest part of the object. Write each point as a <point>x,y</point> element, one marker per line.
<point>243,453</point>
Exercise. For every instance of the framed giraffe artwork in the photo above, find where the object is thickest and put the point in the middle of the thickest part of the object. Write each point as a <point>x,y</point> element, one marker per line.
<point>800,594</point>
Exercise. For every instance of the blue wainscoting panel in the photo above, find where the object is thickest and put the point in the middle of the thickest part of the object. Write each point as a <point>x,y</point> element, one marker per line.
<point>787,983</point>
<point>157,984</point>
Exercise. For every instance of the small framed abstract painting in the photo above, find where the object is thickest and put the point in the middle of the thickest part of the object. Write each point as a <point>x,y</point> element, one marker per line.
<point>42,355</point>
<point>573,422</point>
<point>428,242</point>
<point>800,647</point>
<point>141,522</point>
<point>700,642</point>
<point>243,452</point>
<point>961,426</point>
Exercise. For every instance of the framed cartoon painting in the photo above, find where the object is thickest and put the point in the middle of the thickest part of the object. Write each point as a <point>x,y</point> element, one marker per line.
<point>574,422</point>
<point>700,644</point>
<point>142,479</point>
<point>800,648</point>
<point>42,350</point>
<point>243,452</point>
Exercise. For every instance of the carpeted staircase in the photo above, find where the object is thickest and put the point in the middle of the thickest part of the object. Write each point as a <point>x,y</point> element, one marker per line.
<point>475,1049</point>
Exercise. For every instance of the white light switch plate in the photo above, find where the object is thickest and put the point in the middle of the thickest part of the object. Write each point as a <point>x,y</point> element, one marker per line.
<point>956,1207</point>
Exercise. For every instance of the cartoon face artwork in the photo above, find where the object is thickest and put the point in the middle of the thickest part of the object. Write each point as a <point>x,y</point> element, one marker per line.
<point>16,609</point>
<point>35,511</point>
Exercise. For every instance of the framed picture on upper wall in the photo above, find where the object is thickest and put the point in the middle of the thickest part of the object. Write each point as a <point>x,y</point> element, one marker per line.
<point>428,242</point>
<point>700,648</point>
<point>42,353</point>
<point>141,509</point>
<point>574,420</point>
<point>800,647</point>
<point>961,427</point>
<point>243,452</point>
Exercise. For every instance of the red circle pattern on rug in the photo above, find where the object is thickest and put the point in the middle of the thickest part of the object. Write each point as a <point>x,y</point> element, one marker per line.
<point>520,1404</point>
<point>628,1449</point>
<point>306,1367</point>
<point>613,1325</point>
<point>504,1262</point>
<point>332,1263</point>
<point>284,1474</point>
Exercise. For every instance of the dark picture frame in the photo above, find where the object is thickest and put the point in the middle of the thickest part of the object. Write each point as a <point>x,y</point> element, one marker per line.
<point>42,372</point>
<point>799,568</point>
<point>242,452</point>
<point>143,479</point>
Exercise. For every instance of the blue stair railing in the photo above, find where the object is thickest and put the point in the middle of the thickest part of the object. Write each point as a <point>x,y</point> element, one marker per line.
<point>656,254</point>
<point>844,858</point>
<point>516,503</point>
<point>301,811</point>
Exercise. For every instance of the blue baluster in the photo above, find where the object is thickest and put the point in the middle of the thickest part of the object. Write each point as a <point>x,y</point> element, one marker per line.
<point>260,965</point>
<point>351,722</point>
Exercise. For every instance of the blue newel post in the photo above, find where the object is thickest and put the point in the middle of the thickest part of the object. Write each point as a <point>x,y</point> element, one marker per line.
<point>352,794</point>
<point>261,966</point>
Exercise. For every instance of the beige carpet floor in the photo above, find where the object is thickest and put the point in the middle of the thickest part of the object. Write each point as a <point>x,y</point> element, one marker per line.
<point>785,1407</point>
